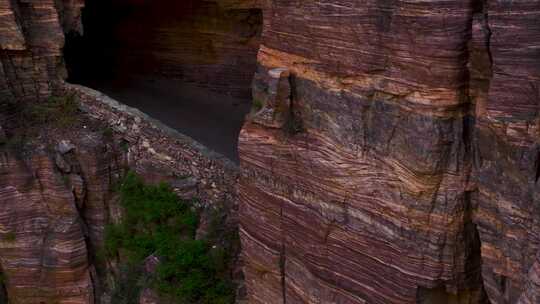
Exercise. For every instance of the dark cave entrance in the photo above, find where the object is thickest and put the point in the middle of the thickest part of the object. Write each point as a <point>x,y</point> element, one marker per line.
<point>187,63</point>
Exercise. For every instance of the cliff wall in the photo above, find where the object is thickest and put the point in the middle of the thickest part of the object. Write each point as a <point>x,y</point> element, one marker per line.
<point>204,42</point>
<point>31,42</point>
<point>392,156</point>
<point>410,171</point>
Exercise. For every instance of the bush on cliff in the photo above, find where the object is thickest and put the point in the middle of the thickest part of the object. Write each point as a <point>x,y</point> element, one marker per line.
<point>59,111</point>
<point>157,222</point>
<point>26,121</point>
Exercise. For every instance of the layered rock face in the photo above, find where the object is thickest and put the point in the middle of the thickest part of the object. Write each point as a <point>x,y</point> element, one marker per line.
<point>53,210</point>
<point>211,43</point>
<point>31,41</point>
<point>507,155</point>
<point>395,161</point>
<point>392,156</point>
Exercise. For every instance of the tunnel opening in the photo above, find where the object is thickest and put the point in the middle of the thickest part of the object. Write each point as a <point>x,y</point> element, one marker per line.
<point>187,63</point>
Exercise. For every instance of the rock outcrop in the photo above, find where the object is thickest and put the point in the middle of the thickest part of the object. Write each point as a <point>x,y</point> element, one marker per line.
<point>507,155</point>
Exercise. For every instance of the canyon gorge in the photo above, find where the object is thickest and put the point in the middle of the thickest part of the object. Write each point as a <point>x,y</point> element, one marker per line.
<point>376,151</point>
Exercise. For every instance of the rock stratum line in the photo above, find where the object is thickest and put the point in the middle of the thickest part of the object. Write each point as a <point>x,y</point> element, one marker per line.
<point>394,158</point>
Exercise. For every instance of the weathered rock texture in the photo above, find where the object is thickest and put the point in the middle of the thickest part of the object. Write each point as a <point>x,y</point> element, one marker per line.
<point>53,209</point>
<point>31,42</point>
<point>54,206</point>
<point>159,153</point>
<point>394,158</point>
<point>56,198</point>
<point>507,150</point>
<point>410,171</point>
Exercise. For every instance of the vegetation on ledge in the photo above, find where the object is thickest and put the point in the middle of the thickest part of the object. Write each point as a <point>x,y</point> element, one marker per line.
<point>32,119</point>
<point>156,222</point>
<point>58,111</point>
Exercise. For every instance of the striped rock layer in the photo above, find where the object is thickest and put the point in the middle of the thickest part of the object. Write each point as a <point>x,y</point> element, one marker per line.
<point>395,158</point>
<point>212,44</point>
<point>53,210</point>
<point>408,171</point>
<point>31,42</point>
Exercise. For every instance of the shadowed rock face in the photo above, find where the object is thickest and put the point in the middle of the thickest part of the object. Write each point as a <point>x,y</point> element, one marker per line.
<point>203,42</point>
<point>195,58</point>
<point>393,160</point>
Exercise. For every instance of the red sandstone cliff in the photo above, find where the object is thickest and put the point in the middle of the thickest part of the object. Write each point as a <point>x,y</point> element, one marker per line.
<point>54,203</point>
<point>31,42</point>
<point>395,159</point>
<point>413,176</point>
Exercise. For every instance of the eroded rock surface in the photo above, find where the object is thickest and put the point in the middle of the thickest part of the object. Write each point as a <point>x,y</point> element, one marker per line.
<point>404,171</point>
<point>413,176</point>
<point>53,209</point>
<point>31,42</point>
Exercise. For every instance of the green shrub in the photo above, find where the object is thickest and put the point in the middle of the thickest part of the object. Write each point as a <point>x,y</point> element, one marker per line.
<point>60,111</point>
<point>31,118</point>
<point>16,142</point>
<point>66,179</point>
<point>10,237</point>
<point>124,145</point>
<point>157,222</point>
<point>129,285</point>
<point>257,104</point>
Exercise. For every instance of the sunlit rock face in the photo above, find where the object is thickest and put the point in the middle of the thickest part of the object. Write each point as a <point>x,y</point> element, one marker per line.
<point>410,172</point>
<point>210,43</point>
